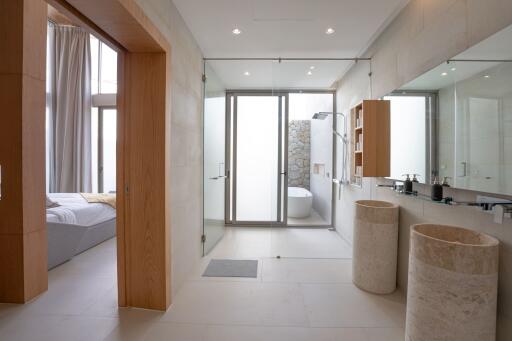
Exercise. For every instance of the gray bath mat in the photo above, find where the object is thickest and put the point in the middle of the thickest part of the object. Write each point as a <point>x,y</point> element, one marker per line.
<point>231,268</point>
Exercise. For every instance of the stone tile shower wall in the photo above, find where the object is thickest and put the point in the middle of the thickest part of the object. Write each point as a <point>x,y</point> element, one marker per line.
<point>299,153</point>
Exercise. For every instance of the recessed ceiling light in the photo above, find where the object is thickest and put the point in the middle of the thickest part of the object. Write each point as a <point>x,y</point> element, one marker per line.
<point>330,30</point>
<point>487,76</point>
<point>236,31</point>
<point>312,67</point>
<point>453,69</point>
<point>310,73</point>
<point>247,73</point>
<point>444,74</point>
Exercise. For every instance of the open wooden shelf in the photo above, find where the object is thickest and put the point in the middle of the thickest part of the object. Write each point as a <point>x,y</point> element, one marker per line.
<point>370,140</point>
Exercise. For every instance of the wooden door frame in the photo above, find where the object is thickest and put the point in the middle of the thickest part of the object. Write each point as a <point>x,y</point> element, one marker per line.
<point>143,243</point>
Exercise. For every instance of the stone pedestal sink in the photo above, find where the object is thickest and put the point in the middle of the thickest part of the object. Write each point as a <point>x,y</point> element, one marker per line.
<point>453,284</point>
<point>375,246</point>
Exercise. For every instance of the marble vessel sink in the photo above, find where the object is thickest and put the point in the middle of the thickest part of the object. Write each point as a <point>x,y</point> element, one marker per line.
<point>375,246</point>
<point>453,284</point>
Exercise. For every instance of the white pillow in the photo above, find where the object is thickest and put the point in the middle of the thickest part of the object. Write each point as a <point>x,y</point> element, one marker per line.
<point>50,203</point>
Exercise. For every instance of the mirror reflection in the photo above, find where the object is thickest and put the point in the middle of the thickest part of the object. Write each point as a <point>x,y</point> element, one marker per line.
<point>454,123</point>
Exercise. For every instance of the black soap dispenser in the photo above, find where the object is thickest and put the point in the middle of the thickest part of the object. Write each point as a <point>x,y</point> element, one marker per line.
<point>407,184</point>
<point>436,190</point>
<point>415,178</point>
<point>445,181</point>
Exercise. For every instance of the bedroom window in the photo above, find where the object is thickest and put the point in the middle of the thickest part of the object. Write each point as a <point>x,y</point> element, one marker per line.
<point>104,116</point>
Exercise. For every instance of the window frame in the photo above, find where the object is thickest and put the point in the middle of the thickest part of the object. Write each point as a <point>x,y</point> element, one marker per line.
<point>101,101</point>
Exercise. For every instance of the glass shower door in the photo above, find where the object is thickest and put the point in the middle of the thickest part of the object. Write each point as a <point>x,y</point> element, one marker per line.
<point>215,175</point>
<point>258,160</point>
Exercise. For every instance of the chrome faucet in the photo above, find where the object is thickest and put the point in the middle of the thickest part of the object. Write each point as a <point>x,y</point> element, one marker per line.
<point>396,186</point>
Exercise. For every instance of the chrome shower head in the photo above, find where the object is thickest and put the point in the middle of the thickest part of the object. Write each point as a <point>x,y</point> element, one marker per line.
<point>320,116</point>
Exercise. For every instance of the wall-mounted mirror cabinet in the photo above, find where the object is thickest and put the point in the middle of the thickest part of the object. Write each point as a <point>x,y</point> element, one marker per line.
<point>455,121</point>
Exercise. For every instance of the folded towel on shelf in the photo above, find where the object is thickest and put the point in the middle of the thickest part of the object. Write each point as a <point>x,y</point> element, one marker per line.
<point>103,198</point>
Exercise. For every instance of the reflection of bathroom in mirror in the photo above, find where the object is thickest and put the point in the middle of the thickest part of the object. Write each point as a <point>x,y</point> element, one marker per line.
<point>459,116</point>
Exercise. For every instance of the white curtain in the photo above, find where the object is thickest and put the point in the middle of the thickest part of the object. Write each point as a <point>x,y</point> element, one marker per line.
<point>70,109</point>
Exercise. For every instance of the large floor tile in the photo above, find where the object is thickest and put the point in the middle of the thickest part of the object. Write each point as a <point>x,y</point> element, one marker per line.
<point>248,333</point>
<point>70,296</point>
<point>314,219</point>
<point>238,303</point>
<point>309,243</point>
<point>100,261</point>
<point>344,305</point>
<point>230,333</point>
<point>104,305</point>
<point>384,334</point>
<point>57,328</point>
<point>307,270</point>
<point>175,331</point>
<point>134,325</point>
<point>244,242</point>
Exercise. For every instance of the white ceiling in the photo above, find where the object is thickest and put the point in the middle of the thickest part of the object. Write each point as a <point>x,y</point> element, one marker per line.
<point>287,28</point>
<point>277,75</point>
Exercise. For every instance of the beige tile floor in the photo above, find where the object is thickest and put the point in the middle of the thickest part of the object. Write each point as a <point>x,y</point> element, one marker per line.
<point>305,295</point>
<point>313,220</point>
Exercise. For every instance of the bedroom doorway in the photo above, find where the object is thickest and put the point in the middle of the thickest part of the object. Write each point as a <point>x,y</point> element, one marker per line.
<point>81,143</point>
<point>143,149</point>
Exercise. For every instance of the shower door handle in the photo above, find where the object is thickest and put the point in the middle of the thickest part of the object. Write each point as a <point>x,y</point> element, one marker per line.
<point>464,169</point>
<point>218,177</point>
<point>285,173</point>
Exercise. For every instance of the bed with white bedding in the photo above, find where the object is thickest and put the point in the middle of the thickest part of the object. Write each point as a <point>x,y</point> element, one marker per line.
<point>76,225</point>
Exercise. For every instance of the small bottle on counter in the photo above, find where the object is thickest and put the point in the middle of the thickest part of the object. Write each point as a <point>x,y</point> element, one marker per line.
<point>445,181</point>
<point>415,178</point>
<point>436,193</point>
<point>407,184</point>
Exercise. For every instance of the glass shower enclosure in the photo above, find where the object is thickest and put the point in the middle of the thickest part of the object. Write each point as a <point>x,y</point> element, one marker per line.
<point>267,161</point>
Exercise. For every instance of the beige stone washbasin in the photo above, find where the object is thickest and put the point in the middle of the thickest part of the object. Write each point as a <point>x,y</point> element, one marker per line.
<point>375,246</point>
<point>375,204</point>
<point>453,284</point>
<point>454,234</point>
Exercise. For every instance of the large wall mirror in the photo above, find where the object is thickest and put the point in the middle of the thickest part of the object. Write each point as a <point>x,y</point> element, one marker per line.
<point>455,121</point>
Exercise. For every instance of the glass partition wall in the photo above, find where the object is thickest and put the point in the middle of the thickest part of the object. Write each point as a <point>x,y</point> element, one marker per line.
<point>215,171</point>
<point>267,161</point>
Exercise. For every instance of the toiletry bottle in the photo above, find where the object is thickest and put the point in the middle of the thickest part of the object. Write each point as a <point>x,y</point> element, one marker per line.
<point>407,184</point>
<point>415,178</point>
<point>436,190</point>
<point>445,181</point>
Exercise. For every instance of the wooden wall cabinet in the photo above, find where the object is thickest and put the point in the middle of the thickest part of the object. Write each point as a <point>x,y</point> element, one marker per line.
<point>370,140</point>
